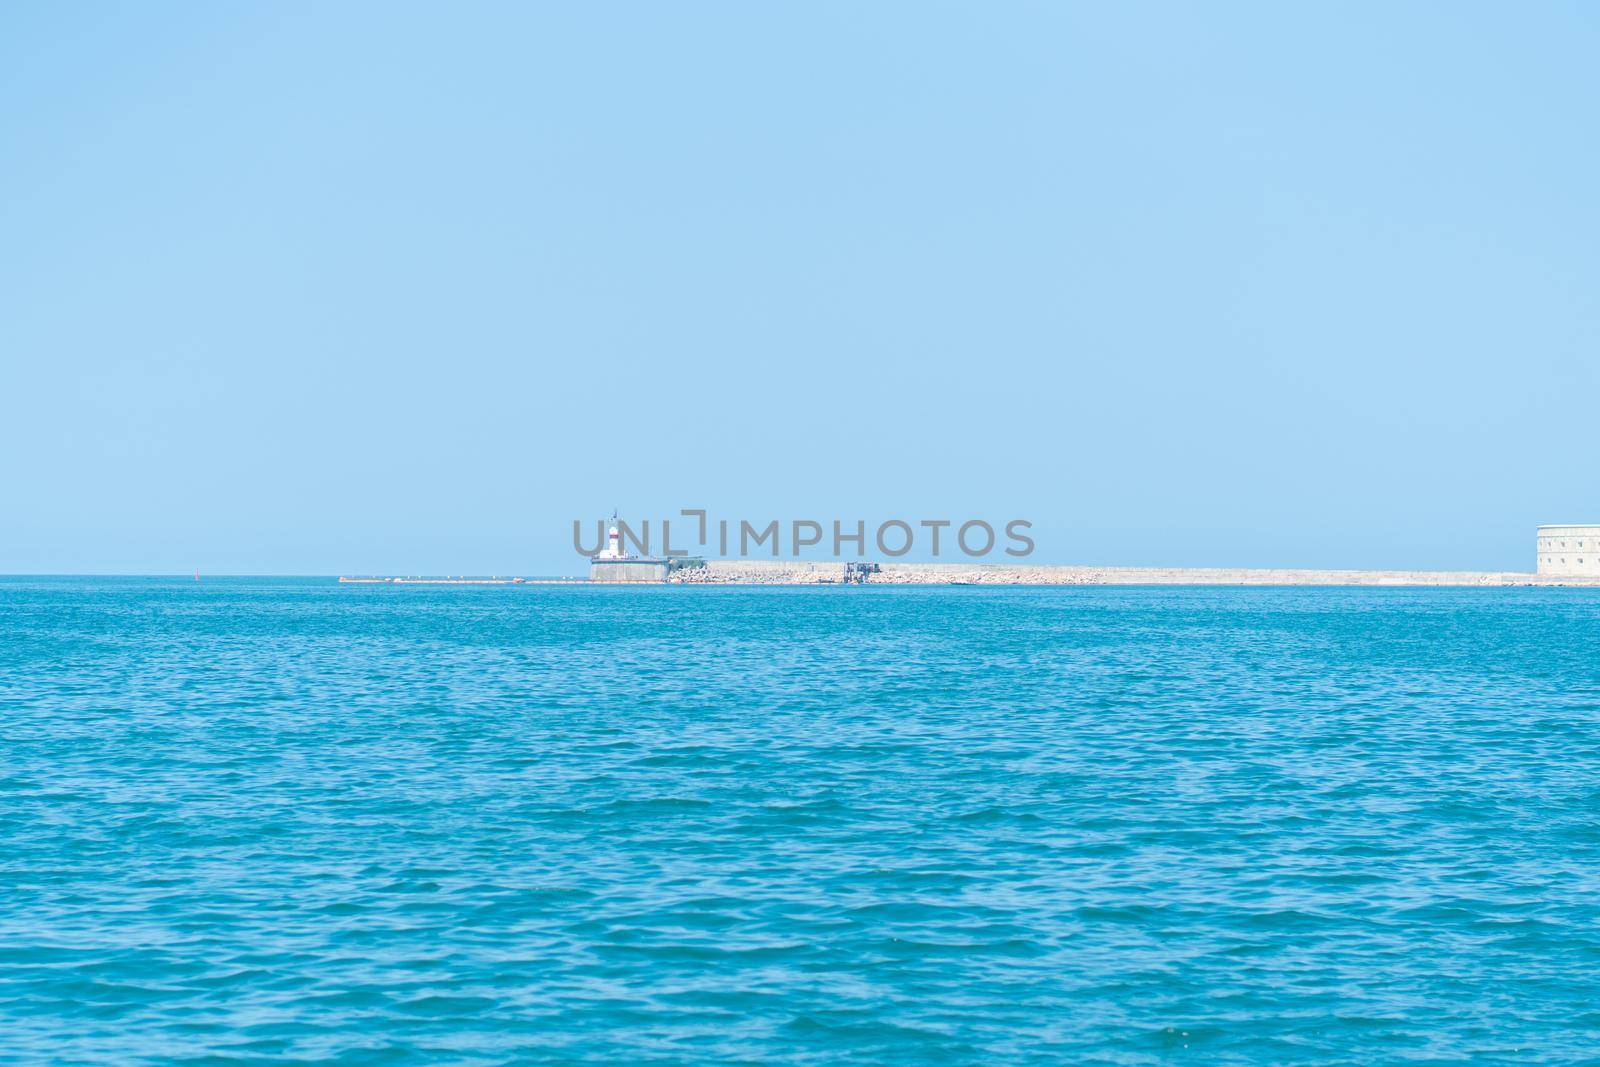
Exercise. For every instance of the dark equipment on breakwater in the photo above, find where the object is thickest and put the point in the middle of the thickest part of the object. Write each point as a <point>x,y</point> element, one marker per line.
<point>856,573</point>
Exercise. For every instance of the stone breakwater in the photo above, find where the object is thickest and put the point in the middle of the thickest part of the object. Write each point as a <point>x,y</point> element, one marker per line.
<point>781,572</point>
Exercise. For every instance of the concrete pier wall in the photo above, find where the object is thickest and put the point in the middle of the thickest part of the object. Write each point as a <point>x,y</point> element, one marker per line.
<point>628,570</point>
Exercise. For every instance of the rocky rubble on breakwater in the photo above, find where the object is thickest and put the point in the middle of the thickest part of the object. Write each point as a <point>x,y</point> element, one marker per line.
<point>798,572</point>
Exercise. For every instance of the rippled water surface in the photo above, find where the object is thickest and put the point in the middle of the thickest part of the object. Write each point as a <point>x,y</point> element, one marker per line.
<point>268,820</point>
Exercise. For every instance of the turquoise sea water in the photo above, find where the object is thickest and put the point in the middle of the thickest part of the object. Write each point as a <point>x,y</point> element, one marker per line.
<point>257,821</point>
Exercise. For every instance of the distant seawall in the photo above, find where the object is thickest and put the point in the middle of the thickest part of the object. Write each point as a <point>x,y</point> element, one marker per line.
<point>781,572</point>
<point>796,572</point>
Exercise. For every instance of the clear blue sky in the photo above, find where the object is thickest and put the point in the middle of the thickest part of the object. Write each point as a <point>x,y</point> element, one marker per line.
<point>310,288</point>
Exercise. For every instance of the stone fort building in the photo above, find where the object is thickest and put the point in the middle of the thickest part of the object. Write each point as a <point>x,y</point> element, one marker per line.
<point>1569,551</point>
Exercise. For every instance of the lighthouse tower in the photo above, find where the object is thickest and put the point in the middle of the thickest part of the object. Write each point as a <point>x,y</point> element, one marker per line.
<point>613,548</point>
